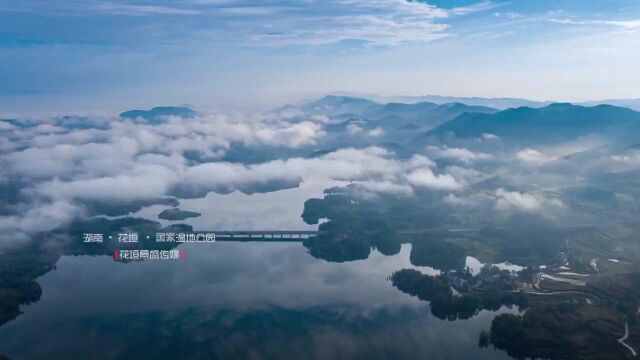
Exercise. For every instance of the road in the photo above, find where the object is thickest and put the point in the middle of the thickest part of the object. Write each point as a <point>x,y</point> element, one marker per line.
<point>625,337</point>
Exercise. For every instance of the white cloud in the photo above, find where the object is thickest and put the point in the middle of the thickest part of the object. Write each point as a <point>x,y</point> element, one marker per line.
<point>418,161</point>
<point>138,10</point>
<point>629,158</point>
<point>61,166</point>
<point>145,182</point>
<point>428,179</point>
<point>39,217</point>
<point>489,136</point>
<point>551,153</point>
<point>515,199</point>
<point>386,187</point>
<point>354,129</point>
<point>473,8</point>
<point>65,168</point>
<point>379,22</point>
<point>533,156</point>
<point>507,200</point>
<point>114,150</point>
<point>456,200</point>
<point>5,126</point>
<point>464,175</point>
<point>630,26</point>
<point>152,176</point>
<point>458,154</point>
<point>377,132</point>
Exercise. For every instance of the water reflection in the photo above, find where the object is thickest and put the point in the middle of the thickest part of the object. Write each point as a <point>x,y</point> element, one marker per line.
<point>274,210</point>
<point>235,300</point>
<point>335,295</point>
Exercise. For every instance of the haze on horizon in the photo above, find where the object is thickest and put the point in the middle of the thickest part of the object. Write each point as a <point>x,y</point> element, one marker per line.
<point>76,55</point>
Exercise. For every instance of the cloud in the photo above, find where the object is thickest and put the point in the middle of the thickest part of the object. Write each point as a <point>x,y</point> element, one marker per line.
<point>62,165</point>
<point>377,132</point>
<point>508,15</point>
<point>458,154</point>
<point>464,175</point>
<point>515,199</point>
<point>38,217</point>
<point>508,200</point>
<point>145,182</point>
<point>6,126</point>
<point>295,135</point>
<point>253,10</point>
<point>428,179</point>
<point>532,156</point>
<point>114,150</point>
<point>456,200</point>
<point>377,22</point>
<point>354,129</point>
<point>125,161</point>
<point>140,10</point>
<point>629,26</point>
<point>489,136</point>
<point>285,23</point>
<point>553,153</point>
<point>473,8</point>
<point>419,161</point>
<point>630,158</point>
<point>67,169</point>
<point>385,187</point>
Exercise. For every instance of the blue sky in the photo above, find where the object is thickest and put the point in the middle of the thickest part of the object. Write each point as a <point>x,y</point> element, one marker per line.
<point>81,55</point>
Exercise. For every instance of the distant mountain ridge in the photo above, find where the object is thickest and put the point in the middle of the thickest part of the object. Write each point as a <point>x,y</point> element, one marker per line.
<point>157,114</point>
<point>496,103</point>
<point>519,126</point>
<point>500,103</point>
<point>423,114</point>
<point>553,122</point>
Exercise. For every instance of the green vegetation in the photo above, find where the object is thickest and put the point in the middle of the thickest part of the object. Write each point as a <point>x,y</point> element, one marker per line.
<point>553,123</point>
<point>356,224</point>
<point>177,214</point>
<point>486,291</point>
<point>560,331</point>
<point>564,320</point>
<point>566,326</point>
<point>20,267</point>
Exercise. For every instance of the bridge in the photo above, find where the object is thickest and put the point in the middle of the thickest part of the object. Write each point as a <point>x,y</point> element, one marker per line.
<point>299,235</point>
<point>264,235</point>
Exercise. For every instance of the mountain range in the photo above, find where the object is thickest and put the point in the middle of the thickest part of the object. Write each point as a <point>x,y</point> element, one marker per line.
<point>550,123</point>
<point>500,103</point>
<point>545,124</point>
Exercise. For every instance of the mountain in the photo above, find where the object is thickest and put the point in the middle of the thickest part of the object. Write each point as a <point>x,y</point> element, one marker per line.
<point>421,115</point>
<point>340,105</point>
<point>396,115</point>
<point>554,122</point>
<point>501,103</point>
<point>496,103</point>
<point>359,122</point>
<point>633,104</point>
<point>157,115</point>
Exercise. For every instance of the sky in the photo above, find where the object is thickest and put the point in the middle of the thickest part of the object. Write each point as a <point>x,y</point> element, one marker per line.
<point>74,56</point>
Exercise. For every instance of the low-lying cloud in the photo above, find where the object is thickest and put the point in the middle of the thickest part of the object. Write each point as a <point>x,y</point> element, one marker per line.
<point>59,167</point>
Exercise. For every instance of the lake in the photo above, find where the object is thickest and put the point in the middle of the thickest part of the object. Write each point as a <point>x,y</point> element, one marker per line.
<point>236,300</point>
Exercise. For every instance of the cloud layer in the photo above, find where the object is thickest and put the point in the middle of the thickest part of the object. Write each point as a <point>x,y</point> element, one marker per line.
<point>58,169</point>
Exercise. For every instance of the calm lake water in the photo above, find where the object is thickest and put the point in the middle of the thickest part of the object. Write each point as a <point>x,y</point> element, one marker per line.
<point>243,300</point>
<point>237,299</point>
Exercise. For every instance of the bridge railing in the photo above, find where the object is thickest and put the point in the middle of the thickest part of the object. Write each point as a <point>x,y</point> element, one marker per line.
<point>266,235</point>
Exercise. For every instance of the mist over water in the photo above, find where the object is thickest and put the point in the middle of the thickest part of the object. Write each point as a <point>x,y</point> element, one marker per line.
<point>429,230</point>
